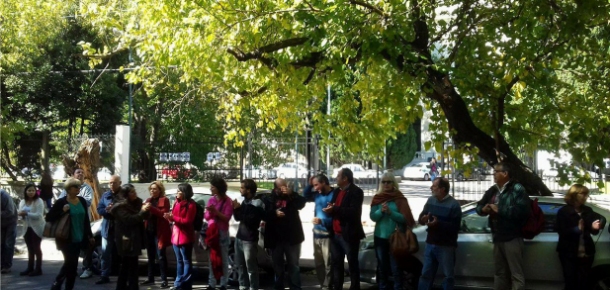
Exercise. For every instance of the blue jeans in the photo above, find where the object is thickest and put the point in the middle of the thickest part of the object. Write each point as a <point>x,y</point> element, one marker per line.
<point>385,262</point>
<point>184,265</point>
<point>246,260</point>
<point>292,253</point>
<point>224,252</point>
<point>107,247</point>
<point>9,234</point>
<point>434,257</point>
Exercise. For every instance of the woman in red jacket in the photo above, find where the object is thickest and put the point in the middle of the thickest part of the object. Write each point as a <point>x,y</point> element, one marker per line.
<point>183,235</point>
<point>158,232</point>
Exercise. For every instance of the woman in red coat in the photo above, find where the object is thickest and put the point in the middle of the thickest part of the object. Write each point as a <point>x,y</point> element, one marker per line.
<point>183,235</point>
<point>157,232</point>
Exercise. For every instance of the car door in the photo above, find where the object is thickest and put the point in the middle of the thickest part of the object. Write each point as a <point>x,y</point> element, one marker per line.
<point>541,262</point>
<point>474,254</point>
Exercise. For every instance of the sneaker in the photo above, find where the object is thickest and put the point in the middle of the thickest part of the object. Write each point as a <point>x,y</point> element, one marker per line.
<point>86,274</point>
<point>102,280</point>
<point>147,282</point>
<point>164,284</point>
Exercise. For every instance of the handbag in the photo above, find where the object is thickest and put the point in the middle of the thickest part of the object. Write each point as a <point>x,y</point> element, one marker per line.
<point>403,244</point>
<point>59,229</point>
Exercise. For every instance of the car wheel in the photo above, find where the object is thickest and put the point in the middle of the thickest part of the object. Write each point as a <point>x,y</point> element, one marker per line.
<point>426,177</point>
<point>233,271</point>
<point>96,258</point>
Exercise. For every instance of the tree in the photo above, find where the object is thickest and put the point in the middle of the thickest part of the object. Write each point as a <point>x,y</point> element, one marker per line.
<point>497,75</point>
<point>402,150</point>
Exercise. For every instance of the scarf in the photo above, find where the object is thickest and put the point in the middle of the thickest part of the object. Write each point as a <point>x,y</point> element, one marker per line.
<point>401,202</point>
<point>212,239</point>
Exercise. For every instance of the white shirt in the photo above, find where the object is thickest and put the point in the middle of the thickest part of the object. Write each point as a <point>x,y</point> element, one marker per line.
<point>34,219</point>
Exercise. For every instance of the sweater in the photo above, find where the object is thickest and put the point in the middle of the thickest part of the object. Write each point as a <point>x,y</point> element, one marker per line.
<point>56,212</point>
<point>34,219</point>
<point>249,216</point>
<point>320,231</point>
<point>385,224</point>
<point>570,234</point>
<point>225,207</point>
<point>448,213</point>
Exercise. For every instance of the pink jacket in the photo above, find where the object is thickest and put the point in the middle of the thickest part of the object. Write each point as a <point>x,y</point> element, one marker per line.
<point>227,210</point>
<point>183,231</point>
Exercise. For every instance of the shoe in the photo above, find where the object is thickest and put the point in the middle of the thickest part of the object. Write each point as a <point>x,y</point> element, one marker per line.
<point>86,274</point>
<point>164,284</point>
<point>5,270</point>
<point>147,282</point>
<point>101,281</point>
<point>35,273</point>
<point>56,285</point>
<point>26,272</point>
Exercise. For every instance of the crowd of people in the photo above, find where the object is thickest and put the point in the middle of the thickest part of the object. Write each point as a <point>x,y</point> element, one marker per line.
<point>131,225</point>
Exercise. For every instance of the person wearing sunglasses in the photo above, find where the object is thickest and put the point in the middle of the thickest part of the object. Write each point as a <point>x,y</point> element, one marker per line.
<point>389,210</point>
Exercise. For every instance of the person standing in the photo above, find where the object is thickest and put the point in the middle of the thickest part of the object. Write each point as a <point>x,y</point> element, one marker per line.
<point>46,188</point>
<point>85,192</point>
<point>128,235</point>
<point>508,206</point>
<point>346,231</point>
<point>390,211</point>
<point>183,232</point>
<point>443,216</point>
<point>107,231</point>
<point>320,192</point>
<point>158,234</point>
<point>80,232</point>
<point>249,215</point>
<point>284,233</point>
<point>433,169</point>
<point>9,231</point>
<point>218,215</point>
<point>576,222</point>
<point>31,210</point>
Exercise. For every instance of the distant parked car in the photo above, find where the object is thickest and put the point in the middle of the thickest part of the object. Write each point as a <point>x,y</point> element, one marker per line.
<point>419,170</point>
<point>291,170</point>
<point>474,258</point>
<point>200,256</point>
<point>175,172</point>
<point>476,174</point>
<point>259,172</point>
<point>358,170</point>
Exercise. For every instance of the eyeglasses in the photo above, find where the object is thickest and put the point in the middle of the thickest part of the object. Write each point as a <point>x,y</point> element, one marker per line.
<point>386,182</point>
<point>496,171</point>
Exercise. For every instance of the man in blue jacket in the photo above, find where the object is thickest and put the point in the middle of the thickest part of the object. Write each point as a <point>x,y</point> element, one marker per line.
<point>320,192</point>
<point>103,208</point>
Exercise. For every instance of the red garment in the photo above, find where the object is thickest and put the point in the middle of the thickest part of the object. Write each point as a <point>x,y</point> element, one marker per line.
<point>336,222</point>
<point>164,233</point>
<point>212,239</point>
<point>183,231</point>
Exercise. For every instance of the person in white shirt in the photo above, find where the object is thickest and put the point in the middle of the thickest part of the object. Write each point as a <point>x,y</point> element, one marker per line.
<point>31,210</point>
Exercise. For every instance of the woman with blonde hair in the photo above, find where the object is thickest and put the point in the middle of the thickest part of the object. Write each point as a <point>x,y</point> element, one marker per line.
<point>158,232</point>
<point>389,210</point>
<point>576,222</point>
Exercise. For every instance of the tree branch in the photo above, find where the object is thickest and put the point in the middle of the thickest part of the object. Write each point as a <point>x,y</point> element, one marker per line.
<point>374,9</point>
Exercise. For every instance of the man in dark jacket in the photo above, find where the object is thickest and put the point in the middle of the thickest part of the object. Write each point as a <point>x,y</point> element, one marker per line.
<point>249,215</point>
<point>508,206</point>
<point>284,232</point>
<point>103,208</point>
<point>346,230</point>
<point>9,230</point>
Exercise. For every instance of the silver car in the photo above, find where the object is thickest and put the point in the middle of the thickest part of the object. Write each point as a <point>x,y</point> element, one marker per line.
<point>200,258</point>
<point>474,261</point>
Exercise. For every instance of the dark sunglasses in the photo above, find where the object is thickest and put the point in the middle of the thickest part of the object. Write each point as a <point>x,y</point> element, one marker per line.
<point>386,182</point>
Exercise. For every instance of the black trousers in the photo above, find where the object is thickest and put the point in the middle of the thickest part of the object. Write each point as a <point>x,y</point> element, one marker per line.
<point>32,241</point>
<point>68,269</point>
<point>576,272</point>
<point>152,251</point>
<point>339,248</point>
<point>128,276</point>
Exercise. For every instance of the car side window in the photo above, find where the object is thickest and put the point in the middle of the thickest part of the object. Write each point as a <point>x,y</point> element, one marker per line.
<point>472,223</point>
<point>550,216</point>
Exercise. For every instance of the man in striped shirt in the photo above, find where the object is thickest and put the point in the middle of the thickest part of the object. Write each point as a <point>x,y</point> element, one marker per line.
<point>443,215</point>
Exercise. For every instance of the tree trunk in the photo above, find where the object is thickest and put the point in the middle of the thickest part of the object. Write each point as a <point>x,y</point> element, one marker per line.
<point>6,162</point>
<point>459,119</point>
<point>88,158</point>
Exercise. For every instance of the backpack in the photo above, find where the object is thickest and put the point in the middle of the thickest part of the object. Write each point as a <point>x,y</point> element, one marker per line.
<point>535,222</point>
<point>198,222</point>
